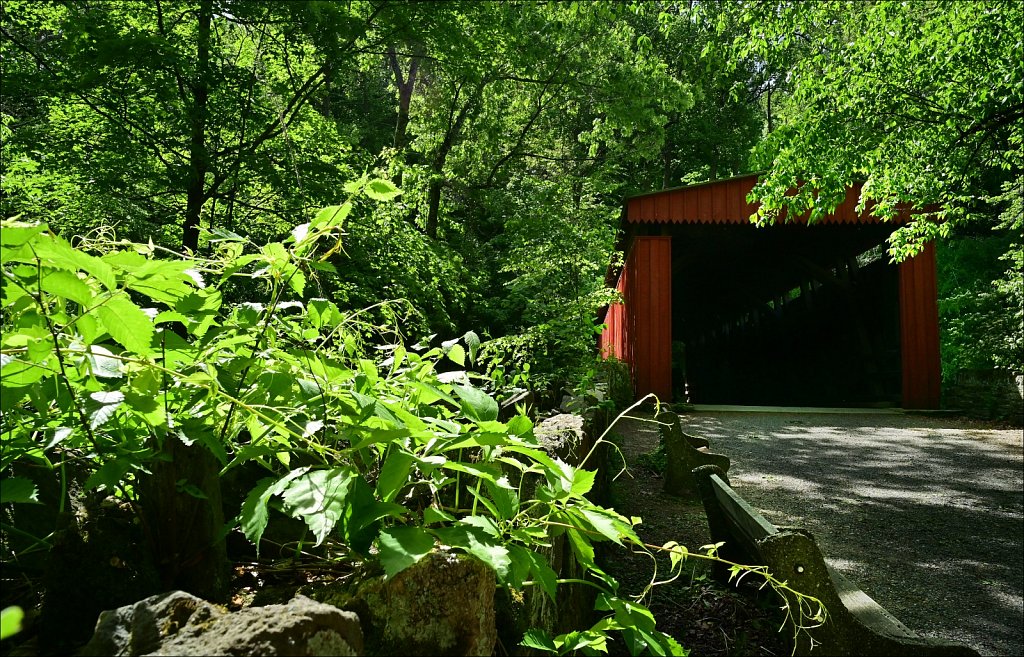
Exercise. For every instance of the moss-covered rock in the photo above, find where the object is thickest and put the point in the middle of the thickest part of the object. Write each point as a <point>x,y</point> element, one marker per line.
<point>442,605</point>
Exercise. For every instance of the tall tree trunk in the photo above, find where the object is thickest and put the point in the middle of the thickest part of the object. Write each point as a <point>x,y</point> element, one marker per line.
<point>181,499</point>
<point>434,204</point>
<point>198,157</point>
<point>437,179</point>
<point>405,85</point>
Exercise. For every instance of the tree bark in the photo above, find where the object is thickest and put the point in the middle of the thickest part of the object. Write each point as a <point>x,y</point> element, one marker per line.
<point>405,87</point>
<point>199,162</point>
<point>186,527</point>
<point>441,157</point>
<point>188,548</point>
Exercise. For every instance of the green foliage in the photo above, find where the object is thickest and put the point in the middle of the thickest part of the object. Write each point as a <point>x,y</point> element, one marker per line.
<point>921,102</point>
<point>981,294</point>
<point>10,621</point>
<point>381,458</point>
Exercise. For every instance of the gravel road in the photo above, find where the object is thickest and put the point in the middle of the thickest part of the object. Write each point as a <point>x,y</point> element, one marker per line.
<point>925,514</point>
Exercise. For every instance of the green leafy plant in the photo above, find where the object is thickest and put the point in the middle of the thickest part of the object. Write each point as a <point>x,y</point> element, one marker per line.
<point>122,360</point>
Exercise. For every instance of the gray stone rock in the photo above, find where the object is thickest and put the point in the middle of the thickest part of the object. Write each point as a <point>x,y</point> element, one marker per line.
<point>562,435</point>
<point>178,623</point>
<point>441,605</point>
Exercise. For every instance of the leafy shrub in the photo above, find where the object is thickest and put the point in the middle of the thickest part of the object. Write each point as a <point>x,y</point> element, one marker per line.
<point>112,353</point>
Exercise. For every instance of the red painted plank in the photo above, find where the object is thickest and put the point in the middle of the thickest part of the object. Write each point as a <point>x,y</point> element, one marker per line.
<point>919,331</point>
<point>724,202</point>
<point>650,298</point>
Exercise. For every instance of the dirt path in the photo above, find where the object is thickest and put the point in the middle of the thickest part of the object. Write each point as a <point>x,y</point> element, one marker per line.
<point>925,514</point>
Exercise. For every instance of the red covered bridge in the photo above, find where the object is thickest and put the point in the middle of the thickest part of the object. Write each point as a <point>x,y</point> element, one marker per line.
<point>720,311</point>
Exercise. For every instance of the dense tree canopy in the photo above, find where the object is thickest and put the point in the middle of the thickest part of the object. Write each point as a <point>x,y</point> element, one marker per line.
<point>512,129</point>
<point>233,227</point>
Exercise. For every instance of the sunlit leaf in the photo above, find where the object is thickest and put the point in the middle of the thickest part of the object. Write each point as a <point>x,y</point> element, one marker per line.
<point>477,404</point>
<point>10,621</point>
<point>394,474</point>
<point>318,497</point>
<point>67,285</point>
<point>401,547</point>
<point>126,323</point>
<point>478,543</point>
<point>538,640</point>
<point>102,406</point>
<point>381,190</point>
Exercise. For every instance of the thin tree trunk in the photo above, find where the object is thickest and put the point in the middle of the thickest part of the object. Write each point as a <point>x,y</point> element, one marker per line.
<point>437,179</point>
<point>189,550</point>
<point>405,87</point>
<point>198,157</point>
<point>181,499</point>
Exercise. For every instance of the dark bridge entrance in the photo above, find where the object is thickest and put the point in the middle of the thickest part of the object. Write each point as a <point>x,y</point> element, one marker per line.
<point>718,311</point>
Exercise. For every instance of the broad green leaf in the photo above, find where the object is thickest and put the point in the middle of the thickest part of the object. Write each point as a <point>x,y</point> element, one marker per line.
<point>381,190</point>
<point>254,515</point>
<point>57,253</point>
<point>506,497</point>
<point>520,426</point>
<point>477,543</point>
<point>331,216</point>
<point>458,355</point>
<point>323,266</point>
<point>477,404</point>
<point>18,489</point>
<point>358,525</point>
<point>486,471</point>
<point>16,233</point>
<point>67,285</point>
<point>225,235</point>
<point>101,407</point>
<point>102,363</point>
<point>401,547</point>
<point>319,499</point>
<point>375,436</point>
<point>296,279</point>
<point>539,640</point>
<point>552,468</point>
<point>10,621</point>
<point>480,498</point>
<point>197,431</point>
<point>394,474</point>
<point>126,323</point>
<point>16,372</point>
<point>544,575</point>
<point>432,515</point>
<point>396,359</point>
<point>603,523</point>
<point>478,439</point>
<point>430,394</point>
<point>484,523</point>
<point>110,473</point>
<point>582,482</point>
<point>472,341</point>
<point>581,547</point>
<point>249,453</point>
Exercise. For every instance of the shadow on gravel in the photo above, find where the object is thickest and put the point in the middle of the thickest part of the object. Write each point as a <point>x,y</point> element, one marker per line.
<point>925,516</point>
